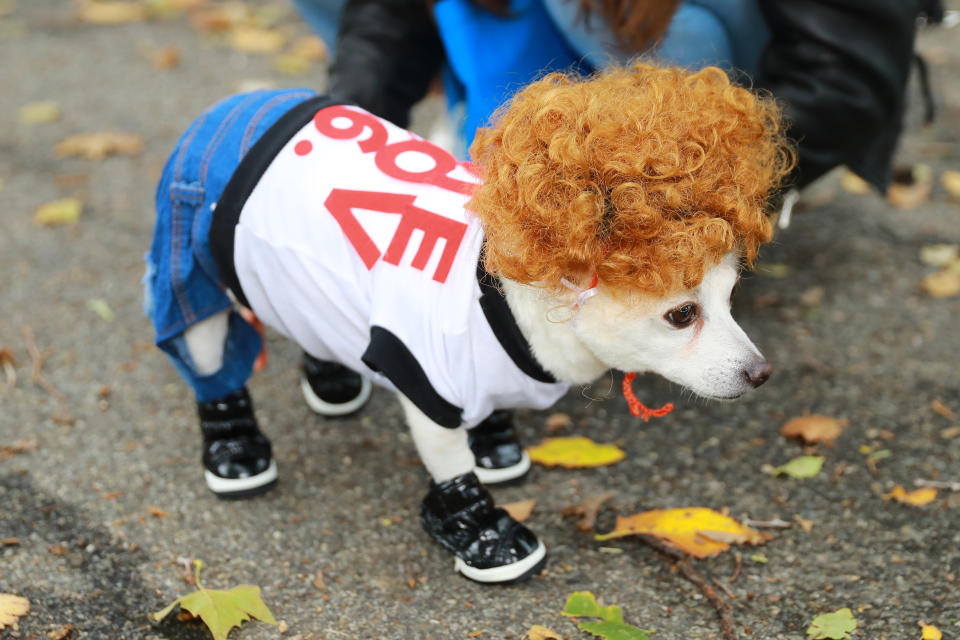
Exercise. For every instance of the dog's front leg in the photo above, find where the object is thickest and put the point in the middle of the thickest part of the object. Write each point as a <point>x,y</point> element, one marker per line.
<point>459,513</point>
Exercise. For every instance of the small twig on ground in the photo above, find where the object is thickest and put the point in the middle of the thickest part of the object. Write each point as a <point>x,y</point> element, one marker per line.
<point>37,358</point>
<point>725,589</point>
<point>776,523</point>
<point>937,484</point>
<point>736,571</point>
<point>682,562</point>
<point>722,607</point>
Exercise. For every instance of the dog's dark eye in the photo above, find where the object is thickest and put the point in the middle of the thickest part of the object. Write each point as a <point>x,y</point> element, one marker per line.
<point>682,315</point>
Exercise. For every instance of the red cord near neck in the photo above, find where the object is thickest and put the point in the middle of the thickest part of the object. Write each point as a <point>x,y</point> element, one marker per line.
<point>637,408</point>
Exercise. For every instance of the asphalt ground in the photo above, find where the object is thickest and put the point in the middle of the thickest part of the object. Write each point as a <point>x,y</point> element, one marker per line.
<point>110,499</point>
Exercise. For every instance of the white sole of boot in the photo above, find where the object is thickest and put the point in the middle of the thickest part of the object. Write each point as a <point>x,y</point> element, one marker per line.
<point>239,487</point>
<point>496,476</point>
<point>506,573</point>
<point>329,409</point>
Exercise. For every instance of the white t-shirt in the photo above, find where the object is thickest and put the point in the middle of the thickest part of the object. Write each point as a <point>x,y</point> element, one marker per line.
<point>356,244</point>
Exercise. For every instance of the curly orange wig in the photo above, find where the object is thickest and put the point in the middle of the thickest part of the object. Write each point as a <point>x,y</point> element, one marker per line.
<point>646,176</point>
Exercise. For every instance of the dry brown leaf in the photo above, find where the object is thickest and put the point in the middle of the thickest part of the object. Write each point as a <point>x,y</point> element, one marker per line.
<point>942,284</point>
<point>950,433</point>
<point>41,112</point>
<point>156,512</point>
<point>99,12</point>
<point>912,188</point>
<point>853,183</point>
<point>814,428</point>
<point>10,542</point>
<point>165,58</point>
<point>697,531</point>
<point>588,510</point>
<point>806,525</point>
<point>256,40</point>
<point>519,510</point>
<point>97,145</point>
<point>557,422</point>
<point>318,581</point>
<point>537,632</point>
<point>951,182</point>
<point>916,498</point>
<point>58,212</point>
<point>12,608</point>
<point>941,409</point>
<point>63,633</point>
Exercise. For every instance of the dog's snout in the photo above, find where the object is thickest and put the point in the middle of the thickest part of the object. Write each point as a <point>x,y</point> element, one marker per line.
<point>758,373</point>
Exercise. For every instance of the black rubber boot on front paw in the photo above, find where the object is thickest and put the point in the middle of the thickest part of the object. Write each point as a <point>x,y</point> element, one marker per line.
<point>489,545</point>
<point>500,457</point>
<point>237,457</point>
<point>332,389</point>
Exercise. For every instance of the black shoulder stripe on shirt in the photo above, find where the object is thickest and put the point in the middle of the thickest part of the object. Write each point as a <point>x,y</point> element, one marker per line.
<point>245,179</point>
<point>388,355</point>
<point>504,326</point>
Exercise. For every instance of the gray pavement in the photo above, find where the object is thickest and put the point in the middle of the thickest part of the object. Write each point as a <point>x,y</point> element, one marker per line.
<point>875,350</point>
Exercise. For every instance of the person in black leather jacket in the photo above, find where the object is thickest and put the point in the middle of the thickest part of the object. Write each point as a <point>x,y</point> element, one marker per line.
<point>838,67</point>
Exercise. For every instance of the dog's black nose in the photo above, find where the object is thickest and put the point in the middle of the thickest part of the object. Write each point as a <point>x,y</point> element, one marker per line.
<point>758,373</point>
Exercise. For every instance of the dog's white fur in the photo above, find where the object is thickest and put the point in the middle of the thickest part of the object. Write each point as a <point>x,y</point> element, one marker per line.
<point>710,356</point>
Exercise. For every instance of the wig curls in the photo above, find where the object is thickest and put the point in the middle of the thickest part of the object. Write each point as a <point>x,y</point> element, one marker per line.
<point>646,176</point>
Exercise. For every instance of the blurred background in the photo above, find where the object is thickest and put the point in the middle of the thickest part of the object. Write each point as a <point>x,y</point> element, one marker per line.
<point>101,502</point>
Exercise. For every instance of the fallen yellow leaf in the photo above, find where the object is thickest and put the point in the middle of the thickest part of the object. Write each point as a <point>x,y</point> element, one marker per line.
<point>916,498</point>
<point>537,632</point>
<point>574,453</point>
<point>519,510</point>
<point>853,183</point>
<point>310,47</point>
<point>290,64</point>
<point>256,40</point>
<point>12,608</point>
<point>697,531</point>
<point>62,211</point>
<point>951,182</point>
<point>814,428</point>
<point>930,632</point>
<point>942,284</point>
<point>42,112</point>
<point>100,144</point>
<point>97,12</point>
<point>220,610</point>
<point>939,255</point>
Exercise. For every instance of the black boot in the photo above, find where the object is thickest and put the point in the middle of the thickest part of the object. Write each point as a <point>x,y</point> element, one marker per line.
<point>489,545</point>
<point>499,455</point>
<point>332,389</point>
<point>237,456</point>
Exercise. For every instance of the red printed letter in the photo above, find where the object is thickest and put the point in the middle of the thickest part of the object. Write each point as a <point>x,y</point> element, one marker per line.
<point>341,203</point>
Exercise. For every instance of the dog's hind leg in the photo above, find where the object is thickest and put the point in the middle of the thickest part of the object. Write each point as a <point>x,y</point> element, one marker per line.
<point>237,457</point>
<point>205,342</point>
<point>459,513</point>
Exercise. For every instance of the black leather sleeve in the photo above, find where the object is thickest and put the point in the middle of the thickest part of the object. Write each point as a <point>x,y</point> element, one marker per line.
<point>840,69</point>
<point>388,52</point>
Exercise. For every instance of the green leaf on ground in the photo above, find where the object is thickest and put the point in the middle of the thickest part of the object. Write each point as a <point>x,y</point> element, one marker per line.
<point>611,626</point>
<point>221,610</point>
<point>802,467</point>
<point>833,626</point>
